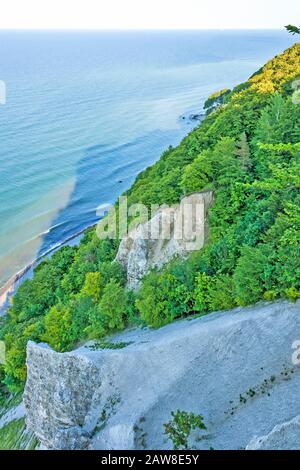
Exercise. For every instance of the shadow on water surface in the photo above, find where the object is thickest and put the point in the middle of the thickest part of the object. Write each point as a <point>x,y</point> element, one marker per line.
<point>102,175</point>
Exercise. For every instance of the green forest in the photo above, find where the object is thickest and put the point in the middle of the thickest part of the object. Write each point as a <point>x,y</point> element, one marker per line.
<point>247,150</point>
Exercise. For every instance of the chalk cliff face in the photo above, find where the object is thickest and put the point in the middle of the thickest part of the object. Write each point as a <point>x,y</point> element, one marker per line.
<point>68,384</point>
<point>285,436</point>
<point>234,368</point>
<point>172,231</point>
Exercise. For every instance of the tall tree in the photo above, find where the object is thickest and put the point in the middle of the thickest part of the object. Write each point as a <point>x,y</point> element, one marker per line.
<point>293,29</point>
<point>243,152</point>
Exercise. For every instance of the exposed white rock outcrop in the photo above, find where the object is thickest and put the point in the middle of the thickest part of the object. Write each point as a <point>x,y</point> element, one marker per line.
<point>58,397</point>
<point>285,436</point>
<point>172,231</point>
<point>15,413</point>
<point>234,368</point>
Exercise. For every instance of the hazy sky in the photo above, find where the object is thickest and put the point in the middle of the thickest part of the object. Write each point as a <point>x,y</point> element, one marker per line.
<point>140,14</point>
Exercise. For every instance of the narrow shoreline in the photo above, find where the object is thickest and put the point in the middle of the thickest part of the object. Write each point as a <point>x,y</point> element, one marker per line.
<point>10,286</point>
<point>8,289</point>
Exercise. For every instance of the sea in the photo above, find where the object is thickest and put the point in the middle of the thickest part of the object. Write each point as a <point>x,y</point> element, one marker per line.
<point>85,112</point>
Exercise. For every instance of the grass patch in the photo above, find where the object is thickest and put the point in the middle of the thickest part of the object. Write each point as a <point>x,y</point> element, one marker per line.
<point>7,402</point>
<point>107,345</point>
<point>14,436</point>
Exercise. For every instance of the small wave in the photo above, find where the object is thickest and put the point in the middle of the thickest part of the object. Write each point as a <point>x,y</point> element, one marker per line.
<point>9,288</point>
<point>53,227</point>
<point>43,233</point>
<point>101,150</point>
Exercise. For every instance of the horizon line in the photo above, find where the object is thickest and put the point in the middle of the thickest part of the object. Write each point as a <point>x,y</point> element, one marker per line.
<point>142,29</point>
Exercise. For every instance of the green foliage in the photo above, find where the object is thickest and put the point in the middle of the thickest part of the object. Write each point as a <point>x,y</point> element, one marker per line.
<point>180,427</point>
<point>216,98</point>
<point>254,274</point>
<point>197,175</point>
<point>113,306</point>
<point>243,152</point>
<point>4,394</point>
<point>163,298</point>
<point>57,326</point>
<point>16,338</point>
<point>92,286</point>
<point>111,312</point>
<point>36,296</point>
<point>293,29</point>
<point>107,345</point>
<point>213,293</point>
<point>14,436</point>
<point>110,271</point>
<point>248,152</point>
<point>82,310</point>
<point>202,293</point>
<point>8,400</point>
<point>217,167</point>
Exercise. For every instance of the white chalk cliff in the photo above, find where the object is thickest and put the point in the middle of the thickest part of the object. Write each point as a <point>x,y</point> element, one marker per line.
<point>172,231</point>
<point>234,368</point>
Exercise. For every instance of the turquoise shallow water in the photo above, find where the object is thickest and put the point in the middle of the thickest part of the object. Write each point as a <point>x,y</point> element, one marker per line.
<point>86,112</point>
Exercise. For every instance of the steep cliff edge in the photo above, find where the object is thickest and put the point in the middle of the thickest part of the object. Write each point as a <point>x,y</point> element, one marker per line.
<point>247,152</point>
<point>234,368</point>
<point>285,436</point>
<point>169,233</point>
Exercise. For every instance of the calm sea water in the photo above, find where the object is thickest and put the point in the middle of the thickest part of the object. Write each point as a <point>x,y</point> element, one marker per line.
<point>86,112</point>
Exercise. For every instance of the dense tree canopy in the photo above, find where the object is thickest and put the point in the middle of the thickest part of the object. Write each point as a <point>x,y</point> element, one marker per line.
<point>293,29</point>
<point>248,152</point>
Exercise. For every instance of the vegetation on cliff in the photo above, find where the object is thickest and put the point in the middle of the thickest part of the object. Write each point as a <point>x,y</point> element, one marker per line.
<point>15,436</point>
<point>216,99</point>
<point>248,152</point>
<point>293,29</point>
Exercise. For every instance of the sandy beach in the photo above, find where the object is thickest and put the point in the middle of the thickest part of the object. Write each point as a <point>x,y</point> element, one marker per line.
<point>8,290</point>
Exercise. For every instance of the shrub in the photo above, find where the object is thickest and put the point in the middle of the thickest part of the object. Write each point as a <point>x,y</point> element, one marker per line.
<point>202,292</point>
<point>253,275</point>
<point>113,306</point>
<point>247,151</point>
<point>222,294</point>
<point>110,271</point>
<point>57,328</point>
<point>92,286</point>
<point>162,298</point>
<point>181,426</point>
<point>213,293</point>
<point>197,175</point>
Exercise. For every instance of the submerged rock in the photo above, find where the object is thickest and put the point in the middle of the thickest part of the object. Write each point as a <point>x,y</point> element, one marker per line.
<point>197,117</point>
<point>285,436</point>
<point>234,368</point>
<point>193,117</point>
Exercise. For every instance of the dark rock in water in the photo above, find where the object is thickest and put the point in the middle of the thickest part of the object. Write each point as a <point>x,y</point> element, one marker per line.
<point>192,117</point>
<point>120,181</point>
<point>196,117</point>
<point>215,100</point>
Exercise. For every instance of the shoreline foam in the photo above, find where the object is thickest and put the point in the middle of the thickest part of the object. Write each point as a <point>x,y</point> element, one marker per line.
<point>10,287</point>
